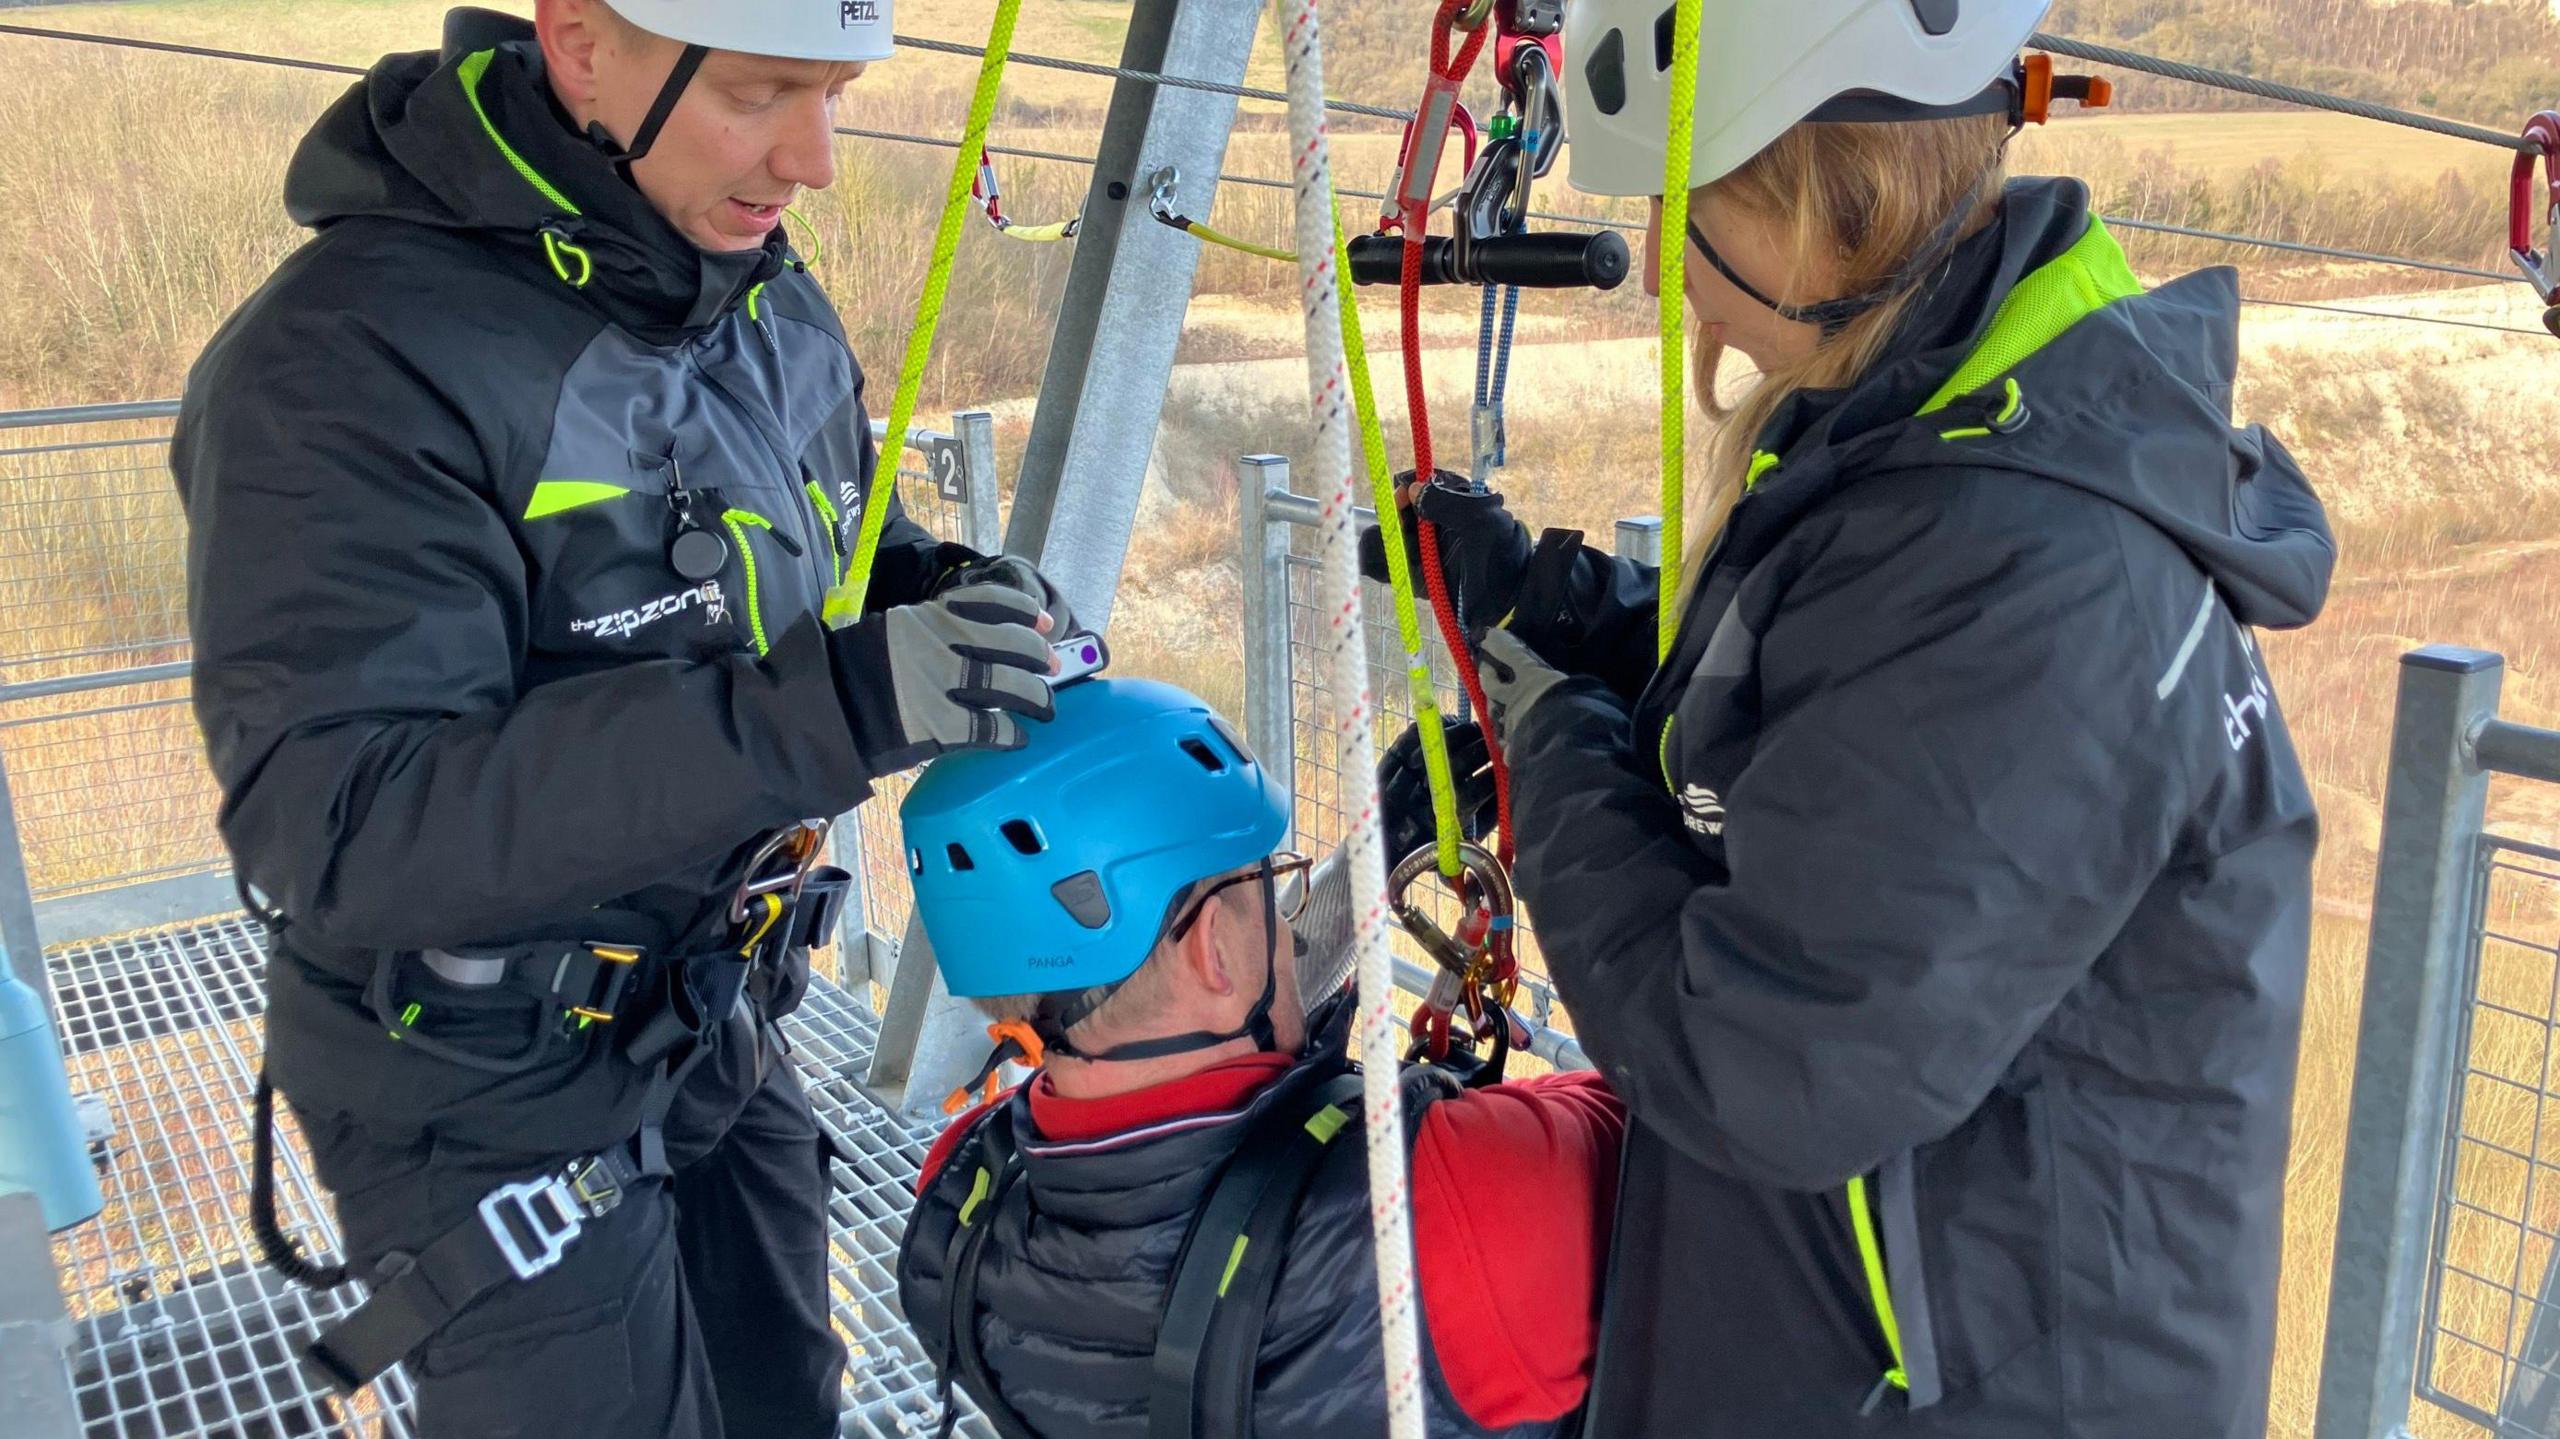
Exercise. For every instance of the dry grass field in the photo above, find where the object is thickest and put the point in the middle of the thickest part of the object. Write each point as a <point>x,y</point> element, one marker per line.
<point>137,205</point>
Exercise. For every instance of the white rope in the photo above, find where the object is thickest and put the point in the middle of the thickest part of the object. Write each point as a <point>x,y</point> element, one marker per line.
<point>1380,1037</point>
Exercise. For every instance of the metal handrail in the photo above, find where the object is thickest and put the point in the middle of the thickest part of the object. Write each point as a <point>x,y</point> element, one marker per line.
<point>917,435</point>
<point>2509,748</point>
<point>101,680</point>
<point>89,414</point>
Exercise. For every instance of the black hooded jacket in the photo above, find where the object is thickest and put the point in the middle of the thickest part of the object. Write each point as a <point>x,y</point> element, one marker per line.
<point>453,687</point>
<point>1940,909</point>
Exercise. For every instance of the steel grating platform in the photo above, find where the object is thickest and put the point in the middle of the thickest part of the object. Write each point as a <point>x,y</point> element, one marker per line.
<point>183,1332</point>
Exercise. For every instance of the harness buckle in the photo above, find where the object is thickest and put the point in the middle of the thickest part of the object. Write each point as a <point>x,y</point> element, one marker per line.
<point>533,1222</point>
<point>603,973</point>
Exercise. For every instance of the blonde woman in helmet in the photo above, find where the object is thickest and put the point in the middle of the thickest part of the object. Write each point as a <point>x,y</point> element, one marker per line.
<point>1940,907</point>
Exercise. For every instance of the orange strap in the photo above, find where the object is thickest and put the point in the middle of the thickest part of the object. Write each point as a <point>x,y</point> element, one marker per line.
<point>1021,1036</point>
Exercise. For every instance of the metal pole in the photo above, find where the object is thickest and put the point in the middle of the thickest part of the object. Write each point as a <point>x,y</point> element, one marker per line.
<point>1269,712</point>
<point>17,899</point>
<point>1640,540</point>
<point>1111,355</point>
<point>2414,997</point>
<point>981,510</point>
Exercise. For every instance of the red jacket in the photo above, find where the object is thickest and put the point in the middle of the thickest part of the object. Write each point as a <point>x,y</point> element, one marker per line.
<point>1513,1188</point>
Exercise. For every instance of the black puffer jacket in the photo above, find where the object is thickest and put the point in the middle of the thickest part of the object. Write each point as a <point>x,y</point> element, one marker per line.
<point>1074,1273</point>
<point>454,691</point>
<point>1941,908</point>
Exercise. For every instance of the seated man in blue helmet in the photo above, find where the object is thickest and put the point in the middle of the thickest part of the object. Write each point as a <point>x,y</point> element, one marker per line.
<point>1167,1229</point>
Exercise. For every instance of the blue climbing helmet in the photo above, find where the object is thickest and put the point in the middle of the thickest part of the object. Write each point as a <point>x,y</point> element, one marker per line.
<point>1055,866</point>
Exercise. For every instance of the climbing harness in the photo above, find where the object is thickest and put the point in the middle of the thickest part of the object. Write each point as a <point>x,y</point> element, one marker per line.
<point>2541,266</point>
<point>666,1019</point>
<point>1210,1331</point>
<point>989,196</point>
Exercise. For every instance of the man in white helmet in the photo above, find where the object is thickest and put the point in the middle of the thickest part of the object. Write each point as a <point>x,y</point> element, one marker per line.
<point>515,497</point>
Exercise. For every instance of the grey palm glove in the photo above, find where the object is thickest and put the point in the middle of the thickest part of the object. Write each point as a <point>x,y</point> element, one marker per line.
<point>1515,679</point>
<point>1016,573</point>
<point>962,670</point>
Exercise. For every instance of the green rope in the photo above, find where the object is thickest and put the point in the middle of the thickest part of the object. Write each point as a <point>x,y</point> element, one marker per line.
<point>1382,488</point>
<point>937,285</point>
<point>1674,312</point>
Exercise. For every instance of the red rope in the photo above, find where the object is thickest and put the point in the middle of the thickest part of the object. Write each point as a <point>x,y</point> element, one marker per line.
<point>1435,579</point>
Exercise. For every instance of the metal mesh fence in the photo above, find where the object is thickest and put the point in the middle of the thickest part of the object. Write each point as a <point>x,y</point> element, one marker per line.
<point>109,781</point>
<point>2491,1345</point>
<point>182,1331</point>
<point>1321,798</point>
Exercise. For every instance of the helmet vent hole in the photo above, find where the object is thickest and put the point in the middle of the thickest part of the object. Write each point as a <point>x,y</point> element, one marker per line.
<point>960,860</point>
<point>1023,838</point>
<point>1605,73</point>
<point>1202,755</point>
<point>1665,26</point>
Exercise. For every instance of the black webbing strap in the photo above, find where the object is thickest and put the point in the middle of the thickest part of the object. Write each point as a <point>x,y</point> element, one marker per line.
<point>1000,1172</point>
<point>1210,1335</point>
<point>642,140</point>
<point>519,1232</point>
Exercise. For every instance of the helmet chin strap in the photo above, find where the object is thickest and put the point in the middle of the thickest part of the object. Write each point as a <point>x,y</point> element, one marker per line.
<point>1833,316</point>
<point>622,158</point>
<point>2005,95</point>
<point>1052,1028</point>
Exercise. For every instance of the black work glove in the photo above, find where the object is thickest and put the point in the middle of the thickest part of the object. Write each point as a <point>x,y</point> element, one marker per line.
<point>965,566</point>
<point>1404,789</point>
<point>962,670</point>
<point>1484,549</point>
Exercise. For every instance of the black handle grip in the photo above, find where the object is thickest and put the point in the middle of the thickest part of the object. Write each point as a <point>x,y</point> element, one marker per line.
<point>1549,260</point>
<point>1553,260</point>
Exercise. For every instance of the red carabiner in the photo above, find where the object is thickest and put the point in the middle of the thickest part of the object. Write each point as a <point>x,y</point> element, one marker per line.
<point>1408,205</point>
<point>2542,132</point>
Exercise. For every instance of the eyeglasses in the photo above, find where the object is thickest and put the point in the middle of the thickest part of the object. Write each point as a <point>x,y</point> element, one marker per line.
<point>1286,871</point>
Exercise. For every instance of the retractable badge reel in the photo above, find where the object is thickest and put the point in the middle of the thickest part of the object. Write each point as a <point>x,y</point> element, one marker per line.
<point>696,551</point>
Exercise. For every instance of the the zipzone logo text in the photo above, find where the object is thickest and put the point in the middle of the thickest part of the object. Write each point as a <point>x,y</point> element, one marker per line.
<point>621,624</point>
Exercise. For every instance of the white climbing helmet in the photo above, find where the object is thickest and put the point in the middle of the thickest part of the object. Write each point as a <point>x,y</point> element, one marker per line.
<point>1764,66</point>
<point>790,29</point>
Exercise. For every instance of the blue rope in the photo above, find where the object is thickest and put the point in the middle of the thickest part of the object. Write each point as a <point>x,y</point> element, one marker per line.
<point>1502,373</point>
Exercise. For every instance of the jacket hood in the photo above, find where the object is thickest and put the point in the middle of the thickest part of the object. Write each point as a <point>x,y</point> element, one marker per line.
<point>469,139</point>
<point>2130,402</point>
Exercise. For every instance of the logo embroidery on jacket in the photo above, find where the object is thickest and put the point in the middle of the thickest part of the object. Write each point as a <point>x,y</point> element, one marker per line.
<point>2239,710</point>
<point>1702,810</point>
<point>621,624</point>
